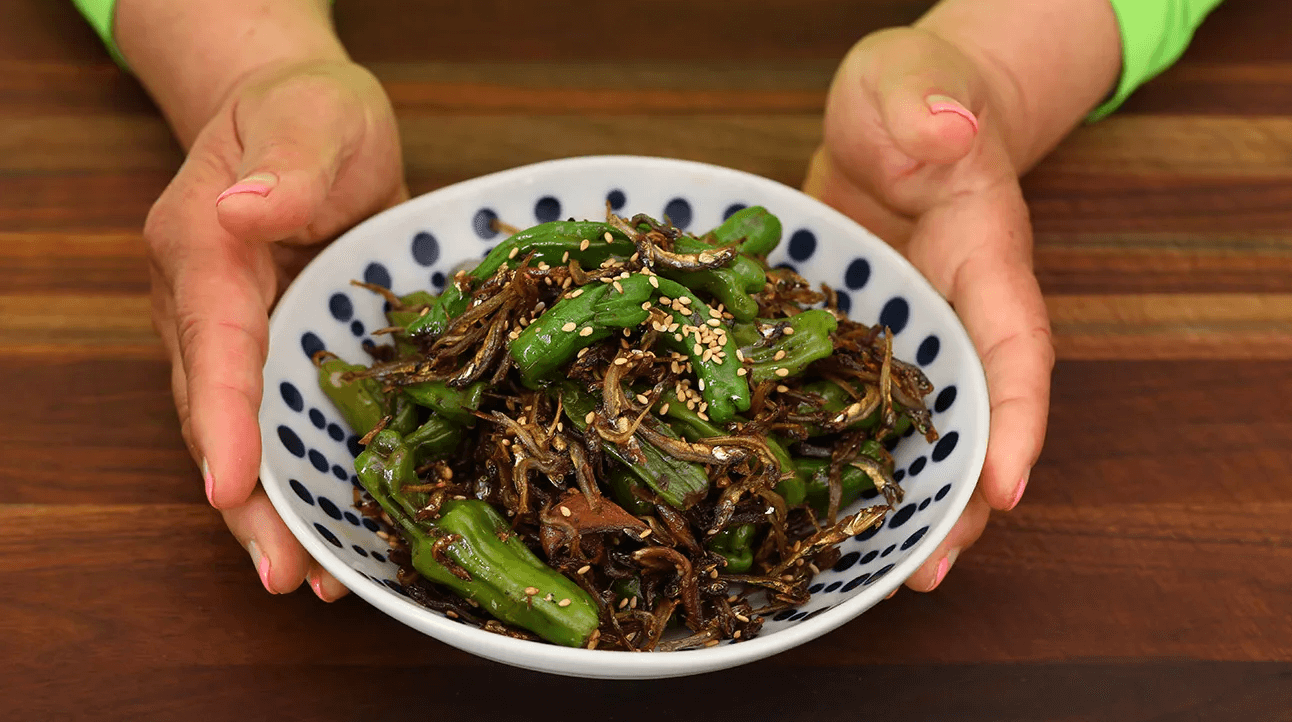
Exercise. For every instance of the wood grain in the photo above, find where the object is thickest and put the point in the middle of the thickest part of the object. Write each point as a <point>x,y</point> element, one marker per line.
<point>1146,576</point>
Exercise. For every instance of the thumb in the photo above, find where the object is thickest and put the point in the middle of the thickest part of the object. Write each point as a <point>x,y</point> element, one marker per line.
<point>296,136</point>
<point>924,89</point>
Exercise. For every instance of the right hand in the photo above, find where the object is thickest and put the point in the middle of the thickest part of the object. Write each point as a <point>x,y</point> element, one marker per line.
<point>295,155</point>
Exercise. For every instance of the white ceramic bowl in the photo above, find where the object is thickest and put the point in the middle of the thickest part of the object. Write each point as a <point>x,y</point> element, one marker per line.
<point>307,463</point>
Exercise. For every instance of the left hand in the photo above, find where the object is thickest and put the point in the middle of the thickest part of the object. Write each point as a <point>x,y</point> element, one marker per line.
<point>915,151</point>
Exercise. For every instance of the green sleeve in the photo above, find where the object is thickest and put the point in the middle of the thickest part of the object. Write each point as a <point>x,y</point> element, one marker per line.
<point>99,13</point>
<point>1154,35</point>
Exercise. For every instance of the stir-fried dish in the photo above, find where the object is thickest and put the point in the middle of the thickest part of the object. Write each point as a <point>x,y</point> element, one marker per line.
<point>617,435</point>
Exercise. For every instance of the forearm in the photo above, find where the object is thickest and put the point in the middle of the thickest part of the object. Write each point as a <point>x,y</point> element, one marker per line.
<point>190,55</point>
<point>1049,63</point>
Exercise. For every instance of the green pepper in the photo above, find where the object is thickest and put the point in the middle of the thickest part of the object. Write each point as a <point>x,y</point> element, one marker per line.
<point>434,440</point>
<point>693,428</point>
<point>547,242</point>
<point>402,318</point>
<point>471,550</point>
<point>597,311</point>
<point>809,342</point>
<point>360,402</point>
<point>755,227</point>
<point>730,285</point>
<point>736,545</point>
<point>815,474</point>
<point>451,403</point>
<point>627,588</point>
<point>679,483</point>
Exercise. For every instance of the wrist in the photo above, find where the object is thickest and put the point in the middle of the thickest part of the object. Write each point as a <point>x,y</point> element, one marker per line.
<point>192,57</point>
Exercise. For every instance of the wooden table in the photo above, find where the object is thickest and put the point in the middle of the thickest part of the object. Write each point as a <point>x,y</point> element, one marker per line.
<point>1148,575</point>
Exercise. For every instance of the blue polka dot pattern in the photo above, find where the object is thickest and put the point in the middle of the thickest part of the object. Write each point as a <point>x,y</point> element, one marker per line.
<point>301,491</point>
<point>336,432</point>
<point>783,615</point>
<point>678,212</point>
<point>802,245</point>
<point>846,561</point>
<point>833,586</point>
<point>547,209</point>
<point>887,551</point>
<point>377,275</point>
<point>917,466</point>
<point>426,250</point>
<point>318,460</point>
<point>925,504</point>
<point>895,314</point>
<point>856,582</point>
<point>327,534</point>
<point>291,396</point>
<point>857,275</point>
<point>483,224</point>
<point>733,209</point>
<point>359,550</point>
<point>945,446</point>
<point>870,533</point>
<point>329,508</point>
<point>901,516</point>
<point>378,556</point>
<point>844,301</point>
<point>928,350</point>
<point>616,199</point>
<point>340,307</point>
<point>354,446</point>
<point>317,418</point>
<point>914,539</point>
<point>946,397</point>
<point>875,577</point>
<point>438,280</point>
<point>311,344</point>
<point>350,517</point>
<point>899,474</point>
<point>942,493</point>
<point>370,525</point>
<point>815,588</point>
<point>356,328</point>
<point>870,556</point>
<point>340,473</point>
<point>291,441</point>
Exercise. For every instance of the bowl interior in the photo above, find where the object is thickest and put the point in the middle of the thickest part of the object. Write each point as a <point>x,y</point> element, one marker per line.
<point>308,451</point>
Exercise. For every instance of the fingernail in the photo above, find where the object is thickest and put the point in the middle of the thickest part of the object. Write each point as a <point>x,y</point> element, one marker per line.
<point>1022,487</point>
<point>944,566</point>
<point>262,564</point>
<point>209,480</point>
<point>891,594</point>
<point>317,585</point>
<point>947,104</point>
<point>258,183</point>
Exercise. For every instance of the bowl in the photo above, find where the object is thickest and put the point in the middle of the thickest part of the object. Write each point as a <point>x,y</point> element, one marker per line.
<point>307,462</point>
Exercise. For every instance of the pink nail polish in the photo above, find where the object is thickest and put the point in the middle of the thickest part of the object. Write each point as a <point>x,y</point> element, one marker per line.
<point>946,104</point>
<point>258,183</point>
<point>1022,487</point>
<point>263,569</point>
<point>209,480</point>
<point>944,566</point>
<point>317,585</point>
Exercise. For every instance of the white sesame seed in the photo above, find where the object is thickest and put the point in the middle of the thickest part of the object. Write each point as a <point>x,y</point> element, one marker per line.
<point>782,389</point>
<point>565,257</point>
<point>741,371</point>
<point>584,569</point>
<point>641,399</point>
<point>665,300</point>
<point>565,511</point>
<point>623,602</point>
<point>531,591</point>
<point>563,603</point>
<point>632,604</point>
<point>589,417</point>
<point>609,238</point>
<point>583,352</point>
<point>663,410</point>
<point>740,354</point>
<point>645,305</point>
<point>698,349</point>
<point>585,331</point>
<point>741,617</point>
<point>577,292</point>
<point>701,384</point>
<point>703,416</point>
<point>514,250</point>
<point>584,245</point>
<point>782,372</point>
<point>789,330</point>
<point>654,282</point>
<point>685,300</point>
<point>618,286</point>
<point>645,533</point>
<point>621,361</point>
<point>569,326</point>
<point>779,355</point>
<point>715,322</point>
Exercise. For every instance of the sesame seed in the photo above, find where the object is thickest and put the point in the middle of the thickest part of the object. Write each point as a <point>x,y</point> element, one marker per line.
<point>565,511</point>
<point>711,643</point>
<point>814,568</point>
<point>542,266</point>
<point>663,409</point>
<point>701,384</point>
<point>451,614</point>
<point>782,372</point>
<point>713,573</point>
<point>584,569</point>
<point>563,603</point>
<point>703,416</point>
<point>632,603</point>
<point>618,287</point>
<point>623,602</point>
<point>606,279</point>
<point>782,388</point>
<point>690,404</point>
<point>789,331</point>
<point>585,331</point>
<point>514,250</point>
<point>741,617</point>
<point>779,355</point>
<point>644,534</point>
<point>645,305</point>
<point>569,326</point>
<point>641,399</point>
<point>741,371</point>
<point>609,238</point>
<point>565,257</point>
<point>654,282</point>
<point>736,634</point>
<point>665,300</point>
<point>584,245</point>
<point>705,257</point>
<point>714,322</point>
<point>531,591</point>
<point>698,349</point>
<point>685,300</point>
<point>583,352</point>
<point>740,354</point>
<point>621,361</point>
<point>591,415</point>
<point>577,292</point>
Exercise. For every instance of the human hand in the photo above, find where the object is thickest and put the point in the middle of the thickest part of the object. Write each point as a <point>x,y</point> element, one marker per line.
<point>295,155</point>
<point>915,150</point>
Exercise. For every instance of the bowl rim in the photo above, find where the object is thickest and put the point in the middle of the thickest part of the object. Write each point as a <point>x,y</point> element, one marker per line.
<point>581,662</point>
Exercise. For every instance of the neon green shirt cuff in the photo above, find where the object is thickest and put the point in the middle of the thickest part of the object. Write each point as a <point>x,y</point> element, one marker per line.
<point>99,13</point>
<point>1155,34</point>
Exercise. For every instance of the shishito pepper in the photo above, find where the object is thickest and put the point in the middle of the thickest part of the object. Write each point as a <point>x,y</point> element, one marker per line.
<point>471,550</point>
<point>547,242</point>
<point>730,285</point>
<point>452,403</point>
<point>361,402</point>
<point>806,338</point>
<point>757,230</point>
<point>736,545</point>
<point>853,481</point>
